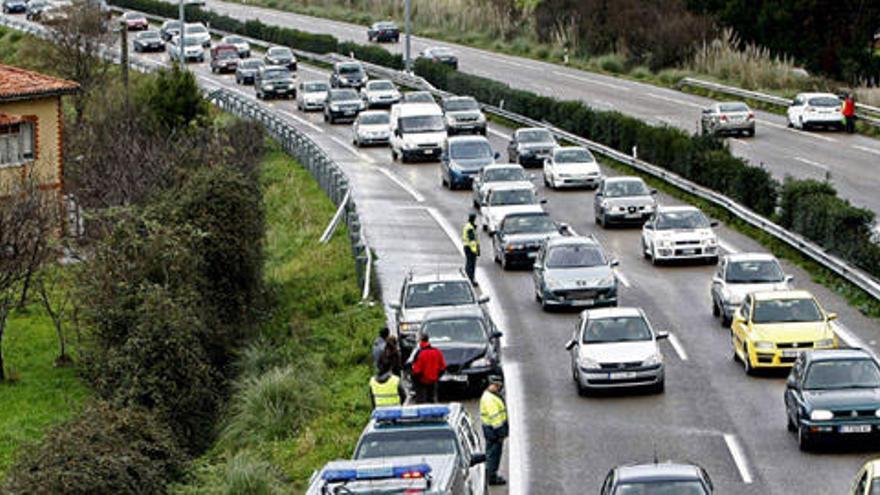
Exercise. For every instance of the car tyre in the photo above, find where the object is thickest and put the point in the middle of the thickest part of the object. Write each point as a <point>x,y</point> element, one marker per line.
<point>659,387</point>
<point>750,132</point>
<point>725,320</point>
<point>747,361</point>
<point>504,263</point>
<point>805,440</point>
<point>716,312</point>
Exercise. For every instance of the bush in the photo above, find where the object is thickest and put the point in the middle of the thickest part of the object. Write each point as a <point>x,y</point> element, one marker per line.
<point>104,450</point>
<point>244,474</point>
<point>173,98</point>
<point>612,62</point>
<point>372,54</point>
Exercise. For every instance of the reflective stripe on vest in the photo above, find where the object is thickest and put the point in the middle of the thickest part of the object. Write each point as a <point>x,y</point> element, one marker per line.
<point>385,394</point>
<point>493,412</point>
<point>466,234</point>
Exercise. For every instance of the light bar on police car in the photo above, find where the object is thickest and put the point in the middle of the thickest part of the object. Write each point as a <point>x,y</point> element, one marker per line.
<point>410,471</point>
<point>410,413</point>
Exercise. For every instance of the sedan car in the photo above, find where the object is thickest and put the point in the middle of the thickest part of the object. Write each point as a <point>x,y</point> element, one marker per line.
<point>462,160</point>
<point>14,6</point>
<point>135,21</point>
<point>148,41</point>
<point>371,127</point>
<point>741,274</point>
<point>518,239</point>
<point>574,271</point>
<point>311,95</point>
<point>469,341</point>
<point>530,146</point>
<point>240,44</point>
<point>247,70</point>
<point>273,81</point>
<point>342,104</point>
<point>867,481</point>
<point>383,31</point>
<point>571,166</point>
<point>833,394</point>
<point>679,233</point>
<point>496,174</point>
<point>649,479</point>
<point>463,115</point>
<point>771,329</point>
<point>623,200</point>
<point>810,110</point>
<point>418,97</point>
<point>440,55</point>
<point>348,75</point>
<point>728,118</point>
<point>280,55</point>
<point>169,30</point>
<point>504,199</point>
<point>192,52</point>
<point>616,348</point>
<point>199,32</point>
<point>380,93</point>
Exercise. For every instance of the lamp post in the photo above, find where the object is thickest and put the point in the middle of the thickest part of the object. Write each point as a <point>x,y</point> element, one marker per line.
<point>182,45</point>
<point>408,28</point>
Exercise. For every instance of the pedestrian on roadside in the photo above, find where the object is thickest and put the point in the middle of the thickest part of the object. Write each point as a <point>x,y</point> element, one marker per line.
<point>471,242</point>
<point>391,357</point>
<point>493,413</point>
<point>386,390</point>
<point>428,365</point>
<point>379,345</point>
<point>849,113</point>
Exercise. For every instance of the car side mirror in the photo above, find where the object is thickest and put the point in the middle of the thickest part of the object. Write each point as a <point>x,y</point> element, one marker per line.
<point>394,305</point>
<point>571,344</point>
<point>497,335</point>
<point>478,458</point>
<point>648,226</point>
<point>738,318</point>
<point>717,280</point>
<point>599,194</point>
<point>564,228</point>
<point>832,316</point>
<point>483,299</point>
<point>662,335</point>
<point>615,263</point>
<point>789,278</point>
<point>497,155</point>
<point>397,132</point>
<point>653,192</point>
<point>714,223</point>
<point>543,201</point>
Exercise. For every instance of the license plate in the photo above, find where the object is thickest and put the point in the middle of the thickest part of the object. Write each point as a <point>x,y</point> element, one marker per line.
<point>348,112</point>
<point>453,378</point>
<point>688,251</point>
<point>429,152</point>
<point>855,429</point>
<point>623,375</point>
<point>790,354</point>
<point>633,215</point>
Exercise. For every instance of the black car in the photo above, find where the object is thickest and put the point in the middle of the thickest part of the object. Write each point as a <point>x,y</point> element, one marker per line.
<point>667,477</point>
<point>348,75</point>
<point>35,8</point>
<point>383,31</point>
<point>280,55</point>
<point>342,104</point>
<point>833,393</point>
<point>14,6</point>
<point>530,146</point>
<point>440,55</point>
<point>247,70</point>
<point>469,341</point>
<point>169,30</point>
<point>148,41</point>
<point>274,81</point>
<point>520,236</point>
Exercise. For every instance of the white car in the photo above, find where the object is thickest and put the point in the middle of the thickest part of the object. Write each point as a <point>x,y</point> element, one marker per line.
<point>504,199</point>
<point>380,93</point>
<point>193,51</point>
<point>679,233</point>
<point>571,166</point>
<point>240,44</point>
<point>616,348</point>
<point>197,31</point>
<point>496,174</point>
<point>371,127</point>
<point>741,274</point>
<point>311,95</point>
<point>810,110</point>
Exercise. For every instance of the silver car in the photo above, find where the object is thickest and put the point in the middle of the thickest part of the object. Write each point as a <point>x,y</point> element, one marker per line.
<point>463,115</point>
<point>496,174</point>
<point>240,44</point>
<point>574,271</point>
<point>380,93</point>
<point>623,200</point>
<point>371,127</point>
<point>732,117</point>
<point>616,348</point>
<point>311,95</point>
<point>740,274</point>
<point>198,31</point>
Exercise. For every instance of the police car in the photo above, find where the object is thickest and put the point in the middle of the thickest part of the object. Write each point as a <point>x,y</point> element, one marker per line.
<point>372,477</point>
<point>443,436</point>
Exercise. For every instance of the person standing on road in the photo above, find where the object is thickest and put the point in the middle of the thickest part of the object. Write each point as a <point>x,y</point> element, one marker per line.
<point>386,389</point>
<point>849,113</point>
<point>493,413</point>
<point>379,345</point>
<point>471,242</point>
<point>428,365</point>
<point>391,357</point>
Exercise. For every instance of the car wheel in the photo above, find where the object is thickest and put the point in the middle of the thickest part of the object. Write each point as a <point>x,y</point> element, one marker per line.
<point>747,361</point>
<point>393,155</point>
<point>504,264</point>
<point>805,440</point>
<point>750,132</point>
<point>716,312</point>
<point>546,182</point>
<point>725,321</point>
<point>712,260</point>
<point>645,253</point>
<point>801,124</point>
<point>659,387</point>
<point>581,390</point>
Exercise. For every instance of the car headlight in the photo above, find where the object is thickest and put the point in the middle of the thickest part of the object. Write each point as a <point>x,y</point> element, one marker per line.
<point>334,107</point>
<point>664,243</point>
<point>512,247</point>
<point>764,346</point>
<point>343,80</point>
<point>482,362</point>
<point>481,118</point>
<point>450,120</point>
<point>552,283</point>
<point>269,86</point>
<point>606,281</point>
<point>877,413</point>
<point>653,360</point>
<point>825,343</point>
<point>821,415</point>
<point>588,363</point>
<point>604,205</point>
<point>409,327</point>
<point>710,241</point>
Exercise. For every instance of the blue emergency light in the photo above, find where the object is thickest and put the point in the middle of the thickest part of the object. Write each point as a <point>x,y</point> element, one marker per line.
<point>410,413</point>
<point>410,471</point>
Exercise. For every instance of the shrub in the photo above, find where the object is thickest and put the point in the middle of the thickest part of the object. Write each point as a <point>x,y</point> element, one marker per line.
<point>244,474</point>
<point>173,98</point>
<point>612,62</point>
<point>372,54</point>
<point>104,450</point>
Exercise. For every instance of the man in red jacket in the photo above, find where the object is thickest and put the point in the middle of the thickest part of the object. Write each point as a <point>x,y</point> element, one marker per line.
<point>849,113</point>
<point>428,366</point>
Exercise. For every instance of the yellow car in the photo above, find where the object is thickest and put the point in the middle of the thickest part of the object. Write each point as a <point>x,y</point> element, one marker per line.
<point>771,328</point>
<point>867,482</point>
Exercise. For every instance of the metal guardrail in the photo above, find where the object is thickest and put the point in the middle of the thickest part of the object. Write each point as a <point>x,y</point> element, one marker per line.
<point>866,113</point>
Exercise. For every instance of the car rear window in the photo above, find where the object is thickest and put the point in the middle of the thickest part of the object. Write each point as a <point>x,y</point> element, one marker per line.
<point>689,487</point>
<point>733,107</point>
<point>407,443</point>
<point>824,102</point>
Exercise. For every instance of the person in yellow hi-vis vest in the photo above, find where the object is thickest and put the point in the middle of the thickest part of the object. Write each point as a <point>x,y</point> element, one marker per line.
<point>493,413</point>
<point>386,389</point>
<point>471,242</point>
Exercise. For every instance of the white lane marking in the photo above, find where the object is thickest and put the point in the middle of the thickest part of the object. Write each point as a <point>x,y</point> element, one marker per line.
<point>447,228</point>
<point>622,278</point>
<point>300,120</point>
<point>677,101</point>
<point>739,457</point>
<point>772,124</point>
<point>352,150</point>
<point>679,349</point>
<point>403,185</point>
<point>811,162</point>
<point>509,62</point>
<point>518,464</point>
<point>592,81</point>
<point>498,133</point>
<point>730,248</point>
<point>874,151</point>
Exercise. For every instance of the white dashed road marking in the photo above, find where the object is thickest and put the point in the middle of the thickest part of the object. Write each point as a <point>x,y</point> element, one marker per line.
<point>739,457</point>
<point>593,81</point>
<point>352,150</point>
<point>867,149</point>
<point>403,185</point>
<point>730,248</point>
<point>300,120</point>
<point>811,163</point>
<point>498,133</point>
<point>679,349</point>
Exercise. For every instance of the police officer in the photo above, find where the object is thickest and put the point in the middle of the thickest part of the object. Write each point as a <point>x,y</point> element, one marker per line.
<point>493,413</point>
<point>471,242</point>
<point>386,389</point>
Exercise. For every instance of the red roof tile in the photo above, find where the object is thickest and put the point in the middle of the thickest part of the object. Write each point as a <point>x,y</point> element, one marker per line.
<point>19,84</point>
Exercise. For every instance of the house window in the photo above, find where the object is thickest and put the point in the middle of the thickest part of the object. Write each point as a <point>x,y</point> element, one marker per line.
<point>16,143</point>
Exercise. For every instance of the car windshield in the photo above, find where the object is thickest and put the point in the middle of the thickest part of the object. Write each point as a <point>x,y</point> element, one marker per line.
<point>616,329</point>
<point>463,330</point>
<point>251,64</point>
<point>276,73</point>
<point>733,107</point>
<point>839,373</point>
<point>786,311</point>
<point>230,52</point>
<point>315,87</point>
<point>531,224</point>
<point>429,294</point>
<point>149,35</point>
<point>374,118</point>
<point>575,257</point>
<point>535,136</point>
<point>406,443</point>
<point>131,16</point>
<point>192,42</point>
<point>344,95</point>
<point>470,150</point>
<point>196,29</point>
<point>350,69</point>
<point>577,155</point>
<point>461,104</point>
<point>686,219</point>
<point>418,97</point>
<point>625,188</point>
<point>422,123</point>
<point>380,86</point>
<point>824,101</point>
<point>385,25</point>
<point>280,52</point>
<point>441,52</point>
<point>754,272</point>
<point>507,174</point>
<point>234,40</point>
<point>675,487</point>
<point>507,197</point>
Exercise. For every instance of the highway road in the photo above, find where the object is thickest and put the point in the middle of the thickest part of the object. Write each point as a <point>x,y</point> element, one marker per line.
<point>852,161</point>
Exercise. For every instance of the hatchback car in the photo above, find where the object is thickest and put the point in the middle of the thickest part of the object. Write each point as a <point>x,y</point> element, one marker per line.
<point>348,75</point>
<point>679,233</point>
<point>148,41</point>
<point>371,127</point>
<point>247,70</point>
<point>571,166</point>
<point>505,199</point>
<point>199,32</point>
<point>240,44</point>
<point>728,118</point>
<point>811,110</point>
<point>342,104</point>
<point>192,52</point>
<point>14,6</point>
<point>574,271</point>
<point>616,348</point>
<point>771,329</point>
<point>463,115</point>
<point>530,146</point>
<point>380,93</point>
<point>623,200</point>
<point>496,174</point>
<point>518,239</point>
<point>273,81</point>
<point>440,55</point>
<point>280,55</point>
<point>867,481</point>
<point>833,394</point>
<point>740,274</point>
<point>383,31</point>
<point>657,479</point>
<point>462,160</point>
<point>311,95</point>
<point>135,21</point>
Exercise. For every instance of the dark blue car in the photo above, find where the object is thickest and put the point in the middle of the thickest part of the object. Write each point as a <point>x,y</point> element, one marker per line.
<point>14,6</point>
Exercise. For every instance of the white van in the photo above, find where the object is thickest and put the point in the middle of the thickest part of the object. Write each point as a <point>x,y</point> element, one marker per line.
<point>418,131</point>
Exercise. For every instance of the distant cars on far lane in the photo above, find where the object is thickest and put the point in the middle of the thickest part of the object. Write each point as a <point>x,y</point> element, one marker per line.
<point>15,6</point>
<point>383,31</point>
<point>440,55</point>
<point>728,118</point>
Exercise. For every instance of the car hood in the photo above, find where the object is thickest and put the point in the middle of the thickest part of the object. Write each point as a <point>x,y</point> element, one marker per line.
<point>736,293</point>
<point>629,201</point>
<point>375,128</point>
<point>847,398</point>
<point>577,168</point>
<point>684,234</point>
<point>620,352</point>
<point>792,332</point>
<point>473,164</point>
<point>425,137</point>
<point>463,114</point>
<point>496,213</point>
<point>315,96</point>
<point>530,238</point>
<point>382,92</point>
<point>460,354</point>
<point>581,277</point>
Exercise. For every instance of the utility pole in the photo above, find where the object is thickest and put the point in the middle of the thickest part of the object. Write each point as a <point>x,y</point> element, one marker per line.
<point>408,30</point>
<point>123,55</point>
<point>182,45</point>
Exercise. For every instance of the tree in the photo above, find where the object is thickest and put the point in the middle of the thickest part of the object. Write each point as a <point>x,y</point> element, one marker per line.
<point>173,98</point>
<point>58,302</point>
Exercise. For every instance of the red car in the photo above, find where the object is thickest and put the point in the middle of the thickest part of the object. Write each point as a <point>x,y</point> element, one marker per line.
<point>135,22</point>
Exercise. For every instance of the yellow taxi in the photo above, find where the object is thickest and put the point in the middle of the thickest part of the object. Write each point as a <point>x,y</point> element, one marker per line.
<point>867,482</point>
<point>771,328</point>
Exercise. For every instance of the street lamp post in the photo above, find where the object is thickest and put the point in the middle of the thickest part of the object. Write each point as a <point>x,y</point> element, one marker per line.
<point>182,45</point>
<point>408,28</point>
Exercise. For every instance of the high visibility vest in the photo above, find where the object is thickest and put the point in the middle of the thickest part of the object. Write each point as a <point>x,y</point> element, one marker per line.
<point>467,234</point>
<point>385,394</point>
<point>493,411</point>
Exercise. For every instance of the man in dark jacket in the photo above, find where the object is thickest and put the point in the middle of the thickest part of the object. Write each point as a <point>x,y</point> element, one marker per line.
<point>379,346</point>
<point>428,365</point>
